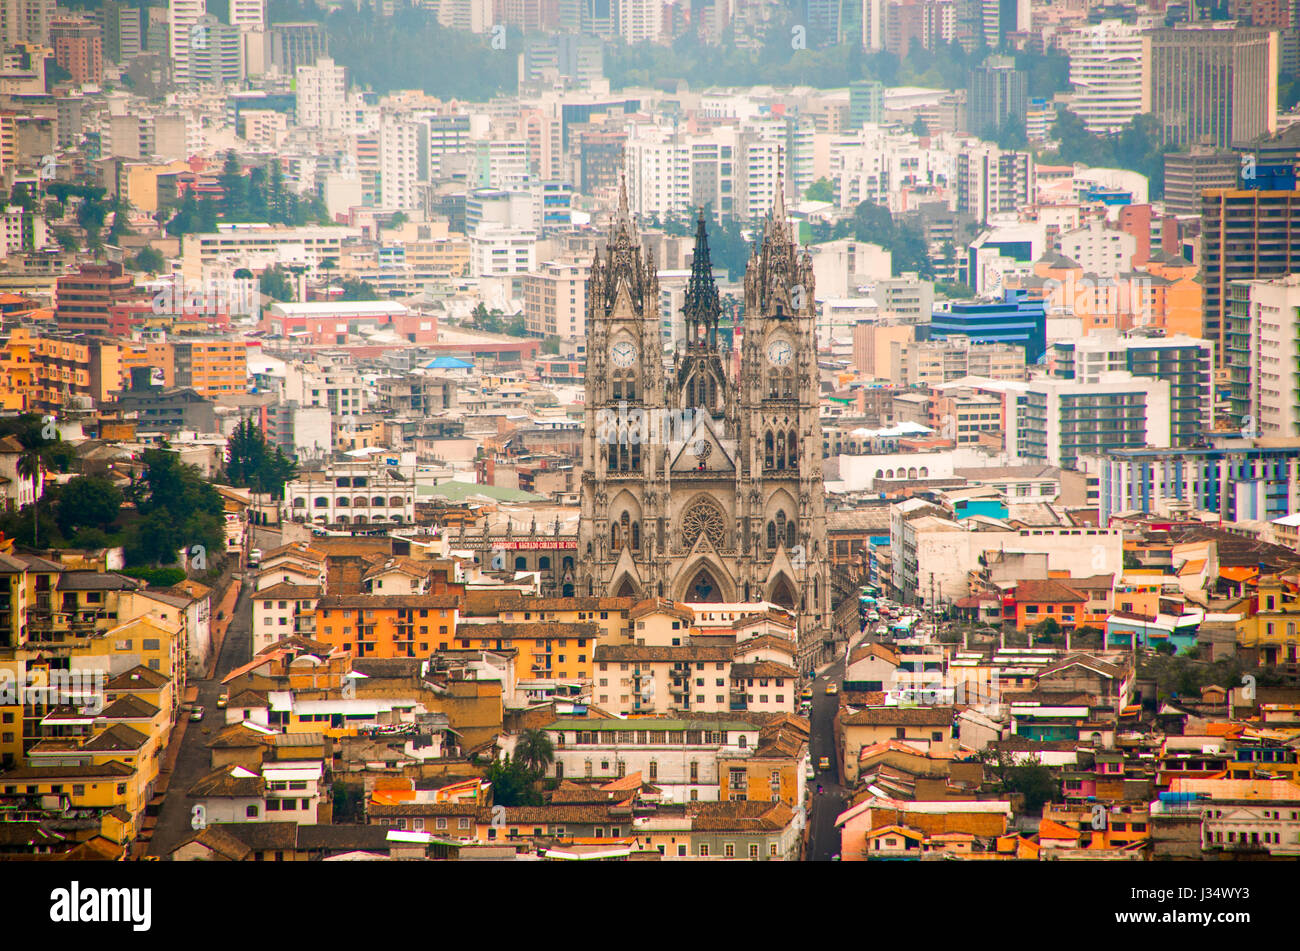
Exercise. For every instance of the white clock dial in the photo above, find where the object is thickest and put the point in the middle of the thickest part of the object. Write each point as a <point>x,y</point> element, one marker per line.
<point>622,354</point>
<point>779,352</point>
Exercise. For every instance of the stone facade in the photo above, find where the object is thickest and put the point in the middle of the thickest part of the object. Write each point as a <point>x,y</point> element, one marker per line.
<point>701,483</point>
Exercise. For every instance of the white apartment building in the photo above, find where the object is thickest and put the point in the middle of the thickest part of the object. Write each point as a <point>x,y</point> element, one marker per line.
<point>1106,252</point>
<point>1106,71</point>
<point>182,17</point>
<point>874,165</point>
<point>322,100</point>
<point>399,158</point>
<point>1273,319</point>
<point>500,163</point>
<point>338,388</point>
<point>555,299</point>
<point>1055,422</point>
<point>258,246</point>
<point>640,21</point>
<point>247,14</point>
<point>658,175</point>
<point>281,611</point>
<point>991,181</point>
<point>497,252</point>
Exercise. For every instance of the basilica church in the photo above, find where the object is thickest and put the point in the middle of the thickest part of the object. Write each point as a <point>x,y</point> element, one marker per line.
<point>702,473</point>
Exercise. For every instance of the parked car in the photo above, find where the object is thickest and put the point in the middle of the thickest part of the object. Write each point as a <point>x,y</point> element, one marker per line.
<point>196,714</point>
<point>222,701</point>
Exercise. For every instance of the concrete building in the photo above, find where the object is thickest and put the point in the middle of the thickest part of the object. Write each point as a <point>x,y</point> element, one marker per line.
<point>1188,174</point>
<point>1106,72</point>
<point>1246,234</point>
<point>1238,479</point>
<point>997,93</point>
<point>931,362</point>
<point>1185,363</point>
<point>555,299</point>
<point>1214,80</point>
<point>1055,422</point>
<point>321,90</point>
<point>1266,333</point>
<point>182,18</point>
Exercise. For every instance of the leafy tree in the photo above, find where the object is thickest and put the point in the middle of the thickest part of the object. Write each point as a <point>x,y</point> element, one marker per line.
<point>919,128</point>
<point>354,289</point>
<point>512,784</point>
<point>254,465</point>
<point>89,502</point>
<point>534,751</point>
<point>148,259</point>
<point>179,509</point>
<point>1027,776</point>
<point>551,345</point>
<point>821,190</point>
<point>275,283</point>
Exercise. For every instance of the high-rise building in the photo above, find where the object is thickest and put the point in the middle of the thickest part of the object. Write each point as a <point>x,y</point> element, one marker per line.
<point>1106,75</point>
<point>1185,363</point>
<point>78,48</point>
<point>448,135</point>
<point>1246,234</point>
<point>215,55</point>
<point>1015,319</point>
<point>82,301</point>
<point>247,14</point>
<point>992,181</point>
<point>123,34</point>
<point>1212,81</point>
<point>26,21</point>
<point>555,299</point>
<point>1189,173</point>
<point>297,44</point>
<point>866,102</point>
<point>1055,422</point>
<point>182,17</point>
<point>997,92</point>
<point>924,22</point>
<point>321,95</point>
<point>640,21</point>
<point>399,154</point>
<point>1268,313</point>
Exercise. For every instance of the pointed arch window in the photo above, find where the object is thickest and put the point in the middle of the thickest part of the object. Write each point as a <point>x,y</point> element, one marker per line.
<point>790,537</point>
<point>780,527</point>
<point>792,450</point>
<point>769,460</point>
<point>780,450</point>
<point>773,385</point>
<point>787,383</point>
<point>636,536</point>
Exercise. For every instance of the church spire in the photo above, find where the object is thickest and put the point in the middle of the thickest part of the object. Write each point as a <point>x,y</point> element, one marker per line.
<point>701,307</point>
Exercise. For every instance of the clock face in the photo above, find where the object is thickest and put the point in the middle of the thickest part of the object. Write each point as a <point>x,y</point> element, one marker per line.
<point>622,354</point>
<point>780,352</point>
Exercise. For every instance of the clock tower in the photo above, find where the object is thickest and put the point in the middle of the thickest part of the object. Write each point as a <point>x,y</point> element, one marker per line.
<point>700,483</point>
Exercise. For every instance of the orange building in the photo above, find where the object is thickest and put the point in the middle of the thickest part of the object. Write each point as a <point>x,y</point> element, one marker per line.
<point>386,626</point>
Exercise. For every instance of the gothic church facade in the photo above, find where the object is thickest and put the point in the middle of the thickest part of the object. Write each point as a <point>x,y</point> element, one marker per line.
<point>702,475</point>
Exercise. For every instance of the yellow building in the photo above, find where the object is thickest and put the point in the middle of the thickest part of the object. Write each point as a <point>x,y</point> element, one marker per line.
<point>1271,632</point>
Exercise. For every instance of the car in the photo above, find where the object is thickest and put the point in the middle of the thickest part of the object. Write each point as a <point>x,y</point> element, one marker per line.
<point>196,714</point>
<point>255,558</point>
<point>811,773</point>
<point>807,694</point>
<point>222,701</point>
<point>831,690</point>
<point>824,763</point>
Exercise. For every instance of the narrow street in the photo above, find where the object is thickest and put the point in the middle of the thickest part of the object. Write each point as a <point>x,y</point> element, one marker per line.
<point>824,838</point>
<point>193,760</point>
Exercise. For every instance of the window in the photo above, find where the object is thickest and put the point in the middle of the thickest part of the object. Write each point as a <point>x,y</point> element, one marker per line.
<point>704,850</point>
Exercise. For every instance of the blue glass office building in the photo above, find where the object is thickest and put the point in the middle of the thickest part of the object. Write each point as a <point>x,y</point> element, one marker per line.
<point>1014,319</point>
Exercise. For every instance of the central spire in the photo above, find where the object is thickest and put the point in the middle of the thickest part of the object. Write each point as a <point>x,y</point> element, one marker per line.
<point>701,307</point>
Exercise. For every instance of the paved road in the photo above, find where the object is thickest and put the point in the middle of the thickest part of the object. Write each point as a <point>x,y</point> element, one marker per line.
<point>824,838</point>
<point>194,760</point>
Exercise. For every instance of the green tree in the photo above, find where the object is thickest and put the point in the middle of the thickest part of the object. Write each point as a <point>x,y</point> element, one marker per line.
<point>1026,776</point>
<point>179,509</point>
<point>534,751</point>
<point>821,190</point>
<point>148,259</point>
<point>274,283</point>
<point>354,289</point>
<point>87,502</point>
<point>512,784</point>
<point>254,465</point>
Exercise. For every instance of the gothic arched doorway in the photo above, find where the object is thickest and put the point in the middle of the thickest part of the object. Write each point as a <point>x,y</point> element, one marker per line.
<point>782,595</point>
<point>703,588</point>
<point>626,589</point>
